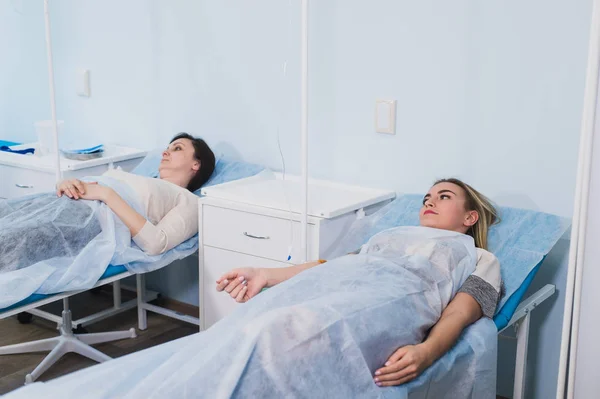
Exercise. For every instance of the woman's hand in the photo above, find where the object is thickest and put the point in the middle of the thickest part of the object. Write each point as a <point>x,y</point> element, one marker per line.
<point>242,284</point>
<point>72,188</point>
<point>406,364</point>
<point>95,191</point>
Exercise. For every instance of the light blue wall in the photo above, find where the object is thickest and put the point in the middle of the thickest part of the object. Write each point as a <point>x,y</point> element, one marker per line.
<point>157,68</point>
<point>488,91</point>
<point>526,99</point>
<point>24,96</point>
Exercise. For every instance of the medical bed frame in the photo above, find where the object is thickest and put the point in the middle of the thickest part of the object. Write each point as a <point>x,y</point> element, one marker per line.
<point>68,341</point>
<point>520,321</point>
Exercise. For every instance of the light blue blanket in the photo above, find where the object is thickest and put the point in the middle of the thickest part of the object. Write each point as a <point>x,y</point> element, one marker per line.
<point>322,333</point>
<point>50,245</point>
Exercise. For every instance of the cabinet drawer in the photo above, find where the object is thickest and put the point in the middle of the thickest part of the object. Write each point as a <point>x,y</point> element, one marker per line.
<point>214,263</point>
<point>253,234</point>
<point>18,182</point>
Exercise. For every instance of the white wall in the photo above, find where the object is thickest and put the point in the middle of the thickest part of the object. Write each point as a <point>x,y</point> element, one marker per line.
<point>157,68</point>
<point>487,91</point>
<point>24,94</point>
<point>527,97</point>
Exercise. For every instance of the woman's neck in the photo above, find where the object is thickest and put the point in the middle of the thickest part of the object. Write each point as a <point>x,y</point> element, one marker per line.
<point>178,181</point>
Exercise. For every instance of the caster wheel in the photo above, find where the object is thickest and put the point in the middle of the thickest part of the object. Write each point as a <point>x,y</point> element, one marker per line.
<point>80,330</point>
<point>24,317</point>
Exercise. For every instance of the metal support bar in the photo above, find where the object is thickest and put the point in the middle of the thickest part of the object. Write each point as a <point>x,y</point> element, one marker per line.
<point>521,362</point>
<point>91,319</point>
<point>521,321</point>
<point>171,313</point>
<point>531,303</point>
<point>46,315</point>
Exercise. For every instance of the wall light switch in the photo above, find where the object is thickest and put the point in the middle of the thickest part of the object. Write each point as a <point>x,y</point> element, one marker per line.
<point>385,116</point>
<point>83,83</point>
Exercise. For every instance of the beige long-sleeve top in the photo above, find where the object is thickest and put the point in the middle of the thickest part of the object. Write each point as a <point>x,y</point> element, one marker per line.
<point>171,211</point>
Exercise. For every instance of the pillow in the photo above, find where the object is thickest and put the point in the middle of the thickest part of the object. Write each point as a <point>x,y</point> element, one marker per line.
<point>225,169</point>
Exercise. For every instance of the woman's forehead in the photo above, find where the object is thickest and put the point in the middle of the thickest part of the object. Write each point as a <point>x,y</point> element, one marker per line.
<point>445,187</point>
<point>181,141</point>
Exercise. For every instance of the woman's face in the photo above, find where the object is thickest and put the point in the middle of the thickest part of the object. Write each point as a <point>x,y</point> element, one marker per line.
<point>444,208</point>
<point>178,158</point>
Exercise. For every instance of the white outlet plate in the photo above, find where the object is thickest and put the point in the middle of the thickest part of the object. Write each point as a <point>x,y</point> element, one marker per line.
<point>83,83</point>
<point>385,116</point>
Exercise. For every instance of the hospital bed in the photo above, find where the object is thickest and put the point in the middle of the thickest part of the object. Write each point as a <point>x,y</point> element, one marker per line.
<point>521,243</point>
<point>69,340</point>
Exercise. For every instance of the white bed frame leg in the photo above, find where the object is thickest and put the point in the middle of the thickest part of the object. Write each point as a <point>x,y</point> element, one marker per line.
<point>521,363</point>
<point>141,296</point>
<point>520,320</point>
<point>117,294</point>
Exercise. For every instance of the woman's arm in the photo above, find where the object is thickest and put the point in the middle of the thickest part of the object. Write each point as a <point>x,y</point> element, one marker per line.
<point>410,361</point>
<point>133,220</point>
<point>280,274</point>
<point>243,284</point>
<point>179,224</point>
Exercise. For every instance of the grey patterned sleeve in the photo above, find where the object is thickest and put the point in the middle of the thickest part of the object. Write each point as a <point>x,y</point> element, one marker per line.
<point>483,292</point>
<point>485,284</point>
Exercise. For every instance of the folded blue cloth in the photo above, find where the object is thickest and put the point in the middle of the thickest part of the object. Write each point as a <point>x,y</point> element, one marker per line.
<point>23,151</point>
<point>91,150</point>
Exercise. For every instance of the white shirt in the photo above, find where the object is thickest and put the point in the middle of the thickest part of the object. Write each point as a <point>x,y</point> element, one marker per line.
<point>171,211</point>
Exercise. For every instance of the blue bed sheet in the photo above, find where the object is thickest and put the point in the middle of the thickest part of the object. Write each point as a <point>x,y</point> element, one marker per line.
<point>110,272</point>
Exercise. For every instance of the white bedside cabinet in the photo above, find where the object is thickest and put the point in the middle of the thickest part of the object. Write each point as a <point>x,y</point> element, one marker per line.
<point>31,174</point>
<point>256,222</point>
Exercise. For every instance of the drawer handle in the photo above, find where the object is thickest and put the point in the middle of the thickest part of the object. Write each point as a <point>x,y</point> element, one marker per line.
<point>256,237</point>
<point>23,185</point>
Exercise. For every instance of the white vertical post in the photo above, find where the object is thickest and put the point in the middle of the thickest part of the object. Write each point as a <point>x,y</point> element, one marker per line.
<point>521,363</point>
<point>141,301</point>
<point>117,294</point>
<point>52,89</point>
<point>304,133</point>
<point>570,328</point>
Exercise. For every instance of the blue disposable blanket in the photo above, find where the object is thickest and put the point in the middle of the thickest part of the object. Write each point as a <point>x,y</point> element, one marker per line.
<point>50,245</point>
<point>322,333</point>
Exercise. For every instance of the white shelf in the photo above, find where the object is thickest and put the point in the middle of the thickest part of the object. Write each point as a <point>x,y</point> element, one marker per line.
<point>325,199</point>
<point>45,163</point>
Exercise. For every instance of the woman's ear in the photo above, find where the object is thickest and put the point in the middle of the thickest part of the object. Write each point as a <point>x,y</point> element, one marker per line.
<point>471,218</point>
<point>196,166</point>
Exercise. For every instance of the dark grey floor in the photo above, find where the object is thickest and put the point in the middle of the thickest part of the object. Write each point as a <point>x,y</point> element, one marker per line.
<point>13,368</point>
